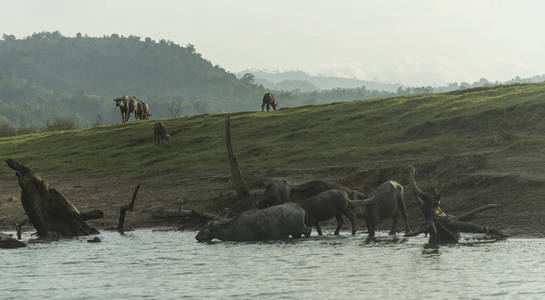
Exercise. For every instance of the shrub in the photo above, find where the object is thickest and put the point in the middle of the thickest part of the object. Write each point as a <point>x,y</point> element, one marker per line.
<point>60,124</point>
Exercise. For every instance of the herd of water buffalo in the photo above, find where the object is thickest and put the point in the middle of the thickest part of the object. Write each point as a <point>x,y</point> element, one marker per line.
<point>281,213</point>
<point>276,217</point>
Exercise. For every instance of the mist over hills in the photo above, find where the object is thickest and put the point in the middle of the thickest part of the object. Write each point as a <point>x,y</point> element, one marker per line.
<point>300,81</point>
<point>293,80</point>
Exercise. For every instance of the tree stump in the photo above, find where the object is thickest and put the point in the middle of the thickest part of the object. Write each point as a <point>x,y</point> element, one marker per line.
<point>52,215</point>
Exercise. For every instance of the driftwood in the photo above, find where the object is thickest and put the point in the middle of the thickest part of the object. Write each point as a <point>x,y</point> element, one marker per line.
<point>47,209</point>
<point>7,242</point>
<point>441,227</point>
<point>468,216</point>
<point>190,219</point>
<point>86,216</point>
<point>91,215</point>
<point>127,207</point>
<point>240,186</point>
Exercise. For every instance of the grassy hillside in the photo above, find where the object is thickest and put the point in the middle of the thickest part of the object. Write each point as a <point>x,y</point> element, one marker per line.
<point>484,145</point>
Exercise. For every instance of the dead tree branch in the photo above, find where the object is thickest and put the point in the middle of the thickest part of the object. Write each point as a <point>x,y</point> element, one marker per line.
<point>240,186</point>
<point>127,207</point>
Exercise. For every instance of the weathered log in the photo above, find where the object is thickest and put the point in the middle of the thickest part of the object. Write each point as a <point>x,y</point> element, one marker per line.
<point>240,186</point>
<point>91,215</point>
<point>127,207</point>
<point>189,219</point>
<point>184,213</point>
<point>47,209</point>
<point>468,216</point>
<point>442,228</point>
<point>7,242</point>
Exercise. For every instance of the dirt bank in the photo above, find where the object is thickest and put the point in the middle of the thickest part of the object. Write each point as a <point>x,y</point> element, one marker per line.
<point>467,181</point>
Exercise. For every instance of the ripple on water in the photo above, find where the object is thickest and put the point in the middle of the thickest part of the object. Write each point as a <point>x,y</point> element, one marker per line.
<point>171,265</point>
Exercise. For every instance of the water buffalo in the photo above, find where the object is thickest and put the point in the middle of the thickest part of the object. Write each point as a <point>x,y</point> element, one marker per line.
<point>326,205</point>
<point>127,105</point>
<point>269,100</point>
<point>123,107</point>
<point>277,192</point>
<point>273,223</point>
<point>387,201</point>
<point>131,107</point>
<point>160,133</point>
<point>142,110</point>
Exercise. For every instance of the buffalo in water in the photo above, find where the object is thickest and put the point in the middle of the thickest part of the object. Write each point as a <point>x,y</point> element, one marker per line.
<point>441,227</point>
<point>273,223</point>
<point>280,191</point>
<point>326,205</point>
<point>277,192</point>
<point>269,100</point>
<point>387,202</point>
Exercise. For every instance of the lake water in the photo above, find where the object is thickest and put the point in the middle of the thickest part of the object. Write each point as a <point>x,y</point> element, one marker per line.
<point>171,265</point>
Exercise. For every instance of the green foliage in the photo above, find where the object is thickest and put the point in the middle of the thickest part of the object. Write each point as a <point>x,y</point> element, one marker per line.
<point>60,124</point>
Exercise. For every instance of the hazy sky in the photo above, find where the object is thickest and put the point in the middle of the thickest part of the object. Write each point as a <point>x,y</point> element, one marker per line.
<point>412,42</point>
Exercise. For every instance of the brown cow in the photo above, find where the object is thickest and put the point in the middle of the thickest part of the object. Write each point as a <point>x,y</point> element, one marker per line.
<point>142,110</point>
<point>146,113</point>
<point>123,107</point>
<point>127,105</point>
<point>269,100</point>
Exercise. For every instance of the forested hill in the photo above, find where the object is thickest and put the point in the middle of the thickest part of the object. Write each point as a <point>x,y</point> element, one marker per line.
<point>50,73</point>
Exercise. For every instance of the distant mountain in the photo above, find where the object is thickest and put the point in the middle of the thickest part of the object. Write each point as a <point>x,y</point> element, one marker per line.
<point>299,80</point>
<point>288,85</point>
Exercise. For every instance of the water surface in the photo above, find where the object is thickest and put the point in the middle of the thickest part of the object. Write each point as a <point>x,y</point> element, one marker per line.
<point>170,265</point>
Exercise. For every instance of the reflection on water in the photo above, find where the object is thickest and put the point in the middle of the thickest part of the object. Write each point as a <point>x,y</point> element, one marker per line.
<point>171,265</point>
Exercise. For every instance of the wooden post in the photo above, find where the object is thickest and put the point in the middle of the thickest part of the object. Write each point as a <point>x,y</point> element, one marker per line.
<point>240,186</point>
<point>129,206</point>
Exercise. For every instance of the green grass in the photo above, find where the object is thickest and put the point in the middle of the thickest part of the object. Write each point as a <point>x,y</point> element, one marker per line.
<point>337,133</point>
